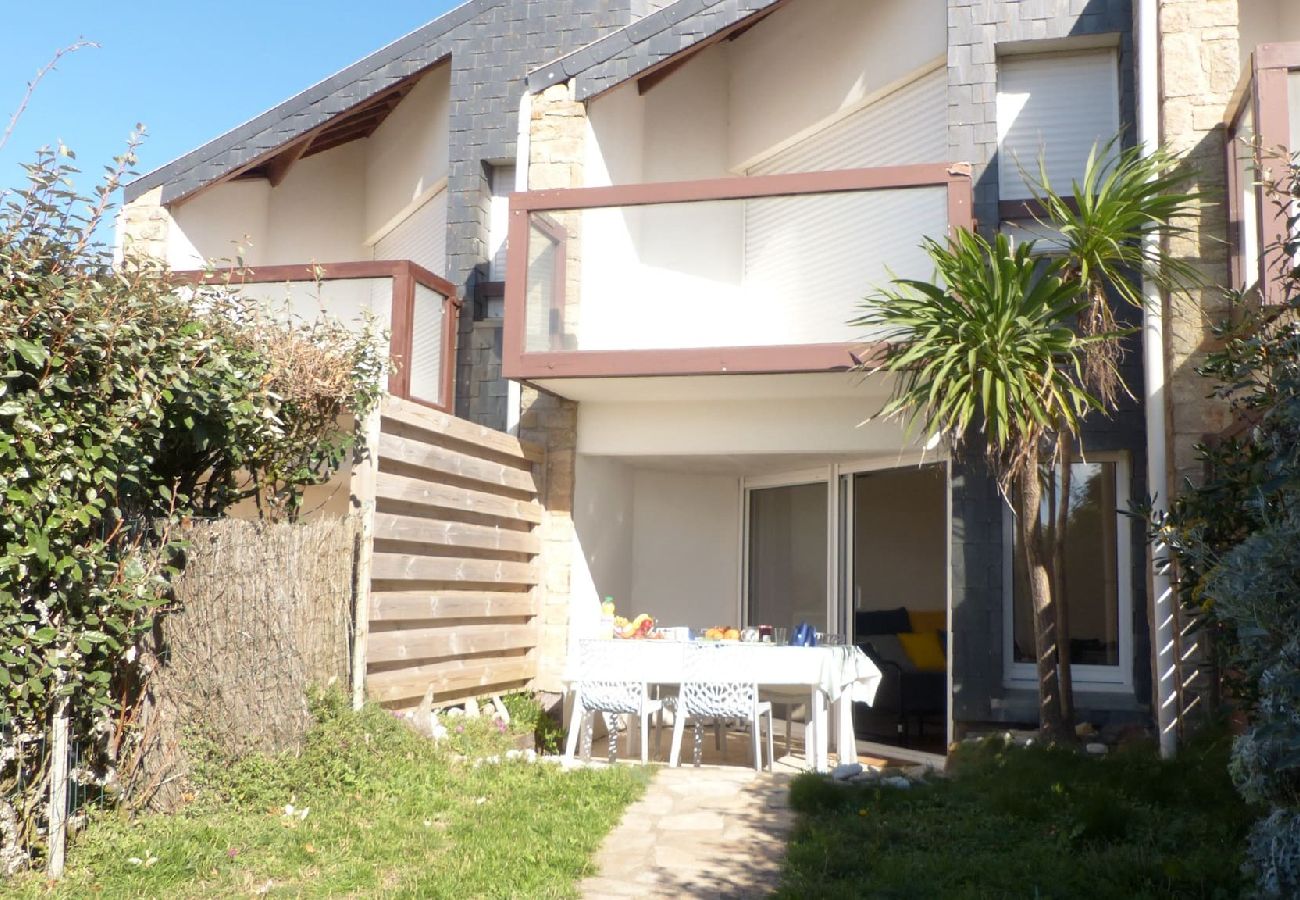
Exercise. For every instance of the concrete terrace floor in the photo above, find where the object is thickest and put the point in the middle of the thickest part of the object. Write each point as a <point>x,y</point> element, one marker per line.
<point>719,830</point>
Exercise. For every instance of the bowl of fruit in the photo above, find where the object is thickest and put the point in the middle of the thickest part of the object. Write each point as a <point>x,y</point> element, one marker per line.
<point>722,633</point>
<point>637,629</point>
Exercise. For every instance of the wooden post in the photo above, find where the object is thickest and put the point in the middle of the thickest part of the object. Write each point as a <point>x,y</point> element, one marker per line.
<point>364,474</point>
<point>58,811</point>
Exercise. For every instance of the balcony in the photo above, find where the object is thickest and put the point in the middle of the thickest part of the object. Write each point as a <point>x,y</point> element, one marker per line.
<point>416,307</point>
<point>734,275</point>
<point>1263,131</point>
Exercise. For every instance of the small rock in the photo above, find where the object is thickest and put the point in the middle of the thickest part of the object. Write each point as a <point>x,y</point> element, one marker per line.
<point>917,773</point>
<point>845,771</point>
<point>1084,729</point>
<point>1097,749</point>
<point>471,708</point>
<point>896,781</point>
<point>454,713</point>
<point>867,777</point>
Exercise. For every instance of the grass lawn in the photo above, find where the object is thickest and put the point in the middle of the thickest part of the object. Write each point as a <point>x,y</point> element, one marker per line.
<point>1034,823</point>
<point>387,813</point>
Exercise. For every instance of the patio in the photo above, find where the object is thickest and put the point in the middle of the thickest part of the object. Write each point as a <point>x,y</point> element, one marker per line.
<point>719,830</point>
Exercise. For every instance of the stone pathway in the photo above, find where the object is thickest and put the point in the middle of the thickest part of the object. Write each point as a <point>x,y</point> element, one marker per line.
<point>715,831</point>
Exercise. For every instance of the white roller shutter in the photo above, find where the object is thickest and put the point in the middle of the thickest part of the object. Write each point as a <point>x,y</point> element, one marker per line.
<point>421,237</point>
<point>907,126</point>
<point>1056,106</point>
<point>823,253</point>
<point>426,345</point>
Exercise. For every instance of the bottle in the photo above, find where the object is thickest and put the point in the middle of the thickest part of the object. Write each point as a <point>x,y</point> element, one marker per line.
<point>607,619</point>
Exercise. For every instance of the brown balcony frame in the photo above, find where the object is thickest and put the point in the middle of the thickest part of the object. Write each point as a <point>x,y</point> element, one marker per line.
<point>563,363</point>
<point>1264,90</point>
<point>405,276</point>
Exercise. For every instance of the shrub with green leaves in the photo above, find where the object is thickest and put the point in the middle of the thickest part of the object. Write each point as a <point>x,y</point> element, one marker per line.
<point>127,404</point>
<point>1234,539</point>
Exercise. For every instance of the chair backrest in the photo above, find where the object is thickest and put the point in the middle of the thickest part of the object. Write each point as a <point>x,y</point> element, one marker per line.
<point>612,696</point>
<point>709,687</point>
<point>611,675</point>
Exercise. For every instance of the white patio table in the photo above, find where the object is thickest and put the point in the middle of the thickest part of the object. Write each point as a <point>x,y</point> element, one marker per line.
<point>838,676</point>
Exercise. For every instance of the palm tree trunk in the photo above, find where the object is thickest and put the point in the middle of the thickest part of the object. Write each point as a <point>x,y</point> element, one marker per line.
<point>1065,447</point>
<point>1030,497</point>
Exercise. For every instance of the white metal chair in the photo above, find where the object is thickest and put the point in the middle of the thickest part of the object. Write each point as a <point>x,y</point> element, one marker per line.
<point>600,691</point>
<point>707,695</point>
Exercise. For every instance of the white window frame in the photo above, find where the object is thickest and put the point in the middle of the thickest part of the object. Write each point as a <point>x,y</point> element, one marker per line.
<point>1118,678</point>
<point>838,518</point>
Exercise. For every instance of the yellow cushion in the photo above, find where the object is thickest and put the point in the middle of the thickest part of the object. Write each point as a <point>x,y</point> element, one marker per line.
<point>923,649</point>
<point>928,619</point>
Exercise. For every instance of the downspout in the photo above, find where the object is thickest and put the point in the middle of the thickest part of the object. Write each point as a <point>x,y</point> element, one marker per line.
<point>523,145</point>
<point>1147,41</point>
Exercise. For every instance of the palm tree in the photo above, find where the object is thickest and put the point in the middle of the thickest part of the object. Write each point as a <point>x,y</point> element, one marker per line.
<point>1123,197</point>
<point>994,344</point>
<point>1022,345</point>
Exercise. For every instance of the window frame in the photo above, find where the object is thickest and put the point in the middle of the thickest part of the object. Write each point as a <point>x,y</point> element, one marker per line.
<point>1093,678</point>
<point>1115,111</point>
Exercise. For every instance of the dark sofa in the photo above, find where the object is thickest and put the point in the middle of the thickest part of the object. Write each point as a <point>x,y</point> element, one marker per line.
<point>909,693</point>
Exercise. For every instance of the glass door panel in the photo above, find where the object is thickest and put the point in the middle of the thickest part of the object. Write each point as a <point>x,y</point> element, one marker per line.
<point>787,555</point>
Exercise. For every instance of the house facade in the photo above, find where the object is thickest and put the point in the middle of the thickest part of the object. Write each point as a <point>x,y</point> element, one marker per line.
<point>659,219</point>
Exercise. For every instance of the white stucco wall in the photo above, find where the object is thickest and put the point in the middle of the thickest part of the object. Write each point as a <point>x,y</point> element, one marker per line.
<point>1267,22</point>
<point>222,223</point>
<point>686,547</point>
<point>407,154</point>
<point>330,203</point>
<point>811,425</point>
<point>316,212</point>
<point>729,268</point>
<point>799,70</point>
<point>659,542</point>
<point>603,519</point>
<point>811,62</point>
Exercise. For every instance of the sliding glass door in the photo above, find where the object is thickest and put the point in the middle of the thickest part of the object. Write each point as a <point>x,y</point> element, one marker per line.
<point>786,555</point>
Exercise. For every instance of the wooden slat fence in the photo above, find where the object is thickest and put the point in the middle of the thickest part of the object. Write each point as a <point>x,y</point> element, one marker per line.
<point>454,571</point>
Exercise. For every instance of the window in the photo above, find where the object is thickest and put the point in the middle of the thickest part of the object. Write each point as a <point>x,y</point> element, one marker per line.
<point>1098,581</point>
<point>1055,107</point>
<point>501,184</point>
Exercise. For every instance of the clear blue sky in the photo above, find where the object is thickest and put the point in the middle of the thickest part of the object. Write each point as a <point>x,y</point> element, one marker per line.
<point>189,70</point>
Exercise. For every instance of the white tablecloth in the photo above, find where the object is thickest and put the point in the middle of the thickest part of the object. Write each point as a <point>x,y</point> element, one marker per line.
<point>839,676</point>
<point>832,670</point>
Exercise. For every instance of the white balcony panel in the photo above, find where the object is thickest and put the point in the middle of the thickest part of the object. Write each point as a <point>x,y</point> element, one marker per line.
<point>728,273</point>
<point>348,300</point>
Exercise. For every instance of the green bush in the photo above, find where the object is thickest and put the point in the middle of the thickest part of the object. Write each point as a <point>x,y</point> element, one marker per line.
<point>127,405</point>
<point>1235,538</point>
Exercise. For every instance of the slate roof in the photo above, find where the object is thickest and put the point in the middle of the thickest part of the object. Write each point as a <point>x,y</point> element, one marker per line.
<point>318,104</point>
<point>628,52</point>
<point>598,66</point>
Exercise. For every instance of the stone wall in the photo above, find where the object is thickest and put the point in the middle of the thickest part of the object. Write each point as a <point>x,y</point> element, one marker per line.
<point>143,226</point>
<point>1199,71</point>
<point>557,139</point>
<point>483,387</point>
